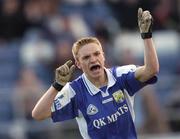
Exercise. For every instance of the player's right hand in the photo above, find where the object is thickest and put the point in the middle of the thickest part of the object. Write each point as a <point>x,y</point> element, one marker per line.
<point>64,72</point>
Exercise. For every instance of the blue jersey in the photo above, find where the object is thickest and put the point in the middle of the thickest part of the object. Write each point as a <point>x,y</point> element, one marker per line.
<point>101,114</point>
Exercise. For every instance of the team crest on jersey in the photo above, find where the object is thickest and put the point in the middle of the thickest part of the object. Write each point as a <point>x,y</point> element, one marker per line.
<point>118,96</point>
<point>92,110</point>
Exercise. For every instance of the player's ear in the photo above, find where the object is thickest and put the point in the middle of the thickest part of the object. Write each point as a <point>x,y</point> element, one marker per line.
<point>104,56</point>
<point>77,63</point>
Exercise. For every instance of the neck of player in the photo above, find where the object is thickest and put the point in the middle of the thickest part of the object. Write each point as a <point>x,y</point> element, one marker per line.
<point>99,81</point>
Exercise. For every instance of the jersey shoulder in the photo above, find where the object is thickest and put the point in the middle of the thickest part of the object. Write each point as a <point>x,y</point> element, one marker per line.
<point>125,69</point>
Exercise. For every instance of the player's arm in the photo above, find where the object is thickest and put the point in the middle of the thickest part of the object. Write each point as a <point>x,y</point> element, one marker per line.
<point>151,64</point>
<point>42,109</point>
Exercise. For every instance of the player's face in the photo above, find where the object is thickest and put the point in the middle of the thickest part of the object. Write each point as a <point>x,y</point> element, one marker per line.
<point>91,60</point>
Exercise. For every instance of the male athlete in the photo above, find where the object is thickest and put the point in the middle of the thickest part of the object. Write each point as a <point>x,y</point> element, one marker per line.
<point>100,99</point>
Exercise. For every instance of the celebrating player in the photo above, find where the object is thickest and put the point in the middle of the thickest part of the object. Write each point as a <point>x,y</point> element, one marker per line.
<point>100,99</point>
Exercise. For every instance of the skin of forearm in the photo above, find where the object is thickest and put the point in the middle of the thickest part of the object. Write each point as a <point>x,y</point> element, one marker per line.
<point>151,64</point>
<point>150,57</point>
<point>42,109</point>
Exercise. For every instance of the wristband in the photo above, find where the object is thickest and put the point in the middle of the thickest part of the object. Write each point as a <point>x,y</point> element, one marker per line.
<point>146,35</point>
<point>57,86</point>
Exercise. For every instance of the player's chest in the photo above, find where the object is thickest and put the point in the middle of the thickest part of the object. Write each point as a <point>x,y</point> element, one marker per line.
<point>105,109</point>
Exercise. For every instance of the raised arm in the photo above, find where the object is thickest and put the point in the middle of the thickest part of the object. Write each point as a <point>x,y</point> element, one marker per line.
<point>151,64</point>
<point>42,109</point>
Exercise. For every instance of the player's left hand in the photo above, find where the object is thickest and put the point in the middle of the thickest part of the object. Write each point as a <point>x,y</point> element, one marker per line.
<point>144,21</point>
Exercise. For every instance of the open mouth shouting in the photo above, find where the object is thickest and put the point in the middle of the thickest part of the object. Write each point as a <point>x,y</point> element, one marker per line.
<point>95,68</point>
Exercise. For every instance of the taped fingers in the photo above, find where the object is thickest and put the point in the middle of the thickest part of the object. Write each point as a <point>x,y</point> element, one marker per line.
<point>69,63</point>
<point>70,66</point>
<point>63,70</point>
<point>63,79</point>
<point>72,69</point>
<point>145,13</point>
<point>66,68</point>
<point>147,18</point>
<point>140,11</point>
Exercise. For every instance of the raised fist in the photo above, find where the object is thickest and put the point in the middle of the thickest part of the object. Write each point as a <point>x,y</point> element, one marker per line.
<point>64,73</point>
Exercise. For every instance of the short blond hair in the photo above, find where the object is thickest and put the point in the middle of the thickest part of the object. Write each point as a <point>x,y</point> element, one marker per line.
<point>81,42</point>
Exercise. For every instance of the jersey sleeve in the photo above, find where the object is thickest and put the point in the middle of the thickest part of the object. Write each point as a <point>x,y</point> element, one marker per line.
<point>64,106</point>
<point>126,76</point>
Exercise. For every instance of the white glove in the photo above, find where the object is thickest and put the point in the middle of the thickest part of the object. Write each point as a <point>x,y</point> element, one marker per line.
<point>64,73</point>
<point>145,23</point>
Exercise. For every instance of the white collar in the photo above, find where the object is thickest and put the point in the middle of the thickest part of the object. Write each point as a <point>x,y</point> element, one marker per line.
<point>92,89</point>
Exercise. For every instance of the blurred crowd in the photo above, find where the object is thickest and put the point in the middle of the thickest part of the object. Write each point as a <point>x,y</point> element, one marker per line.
<point>36,37</point>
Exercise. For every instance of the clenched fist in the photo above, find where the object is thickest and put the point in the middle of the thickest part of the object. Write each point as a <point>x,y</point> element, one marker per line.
<point>145,23</point>
<point>64,72</point>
